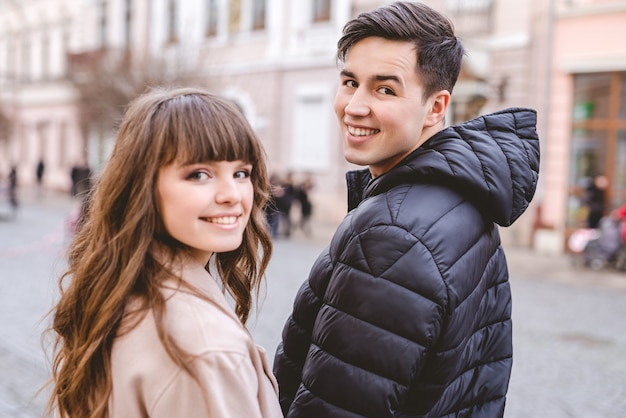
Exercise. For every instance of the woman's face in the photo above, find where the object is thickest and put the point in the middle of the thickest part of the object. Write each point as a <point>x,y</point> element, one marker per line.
<point>206,206</point>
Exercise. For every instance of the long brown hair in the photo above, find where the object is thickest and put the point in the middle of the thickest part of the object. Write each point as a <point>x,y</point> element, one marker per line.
<point>113,256</point>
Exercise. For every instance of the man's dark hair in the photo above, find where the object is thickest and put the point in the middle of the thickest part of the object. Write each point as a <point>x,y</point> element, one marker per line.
<point>439,50</point>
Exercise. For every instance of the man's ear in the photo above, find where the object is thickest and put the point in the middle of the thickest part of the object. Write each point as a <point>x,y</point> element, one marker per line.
<point>438,103</point>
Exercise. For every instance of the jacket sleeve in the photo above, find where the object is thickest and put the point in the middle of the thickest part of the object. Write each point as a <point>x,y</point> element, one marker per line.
<point>229,388</point>
<point>381,310</point>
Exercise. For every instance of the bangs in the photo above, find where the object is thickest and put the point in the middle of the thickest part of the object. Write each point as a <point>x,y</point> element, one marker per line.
<point>198,130</point>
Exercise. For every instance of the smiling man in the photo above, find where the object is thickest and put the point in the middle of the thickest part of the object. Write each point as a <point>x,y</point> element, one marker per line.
<point>408,312</point>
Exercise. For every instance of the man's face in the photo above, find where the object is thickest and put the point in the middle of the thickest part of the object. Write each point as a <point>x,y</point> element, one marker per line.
<point>379,104</point>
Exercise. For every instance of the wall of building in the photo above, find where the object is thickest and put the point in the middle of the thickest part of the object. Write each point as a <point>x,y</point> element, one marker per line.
<point>588,38</point>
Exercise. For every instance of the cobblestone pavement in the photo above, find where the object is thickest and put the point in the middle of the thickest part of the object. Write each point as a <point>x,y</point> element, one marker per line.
<point>569,327</point>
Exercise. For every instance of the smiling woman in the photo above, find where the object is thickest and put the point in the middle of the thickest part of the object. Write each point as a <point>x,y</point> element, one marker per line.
<point>142,328</point>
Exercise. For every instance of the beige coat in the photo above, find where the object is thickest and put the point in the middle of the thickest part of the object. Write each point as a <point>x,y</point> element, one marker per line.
<point>234,372</point>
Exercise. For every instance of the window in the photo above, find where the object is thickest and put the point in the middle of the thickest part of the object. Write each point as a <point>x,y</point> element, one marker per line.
<point>103,23</point>
<point>258,15</point>
<point>234,17</point>
<point>211,17</point>
<point>619,175</point>
<point>45,56</point>
<point>128,18</point>
<point>26,67</point>
<point>598,143</point>
<point>172,32</point>
<point>311,142</point>
<point>468,5</point>
<point>591,96</point>
<point>321,10</point>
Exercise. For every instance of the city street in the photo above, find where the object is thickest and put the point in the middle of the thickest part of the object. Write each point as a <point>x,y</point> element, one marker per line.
<point>569,325</point>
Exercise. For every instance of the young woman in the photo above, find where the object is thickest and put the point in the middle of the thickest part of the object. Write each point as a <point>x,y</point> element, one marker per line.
<point>142,329</point>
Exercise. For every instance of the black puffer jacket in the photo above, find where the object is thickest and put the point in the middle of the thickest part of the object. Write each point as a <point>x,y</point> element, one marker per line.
<point>408,311</point>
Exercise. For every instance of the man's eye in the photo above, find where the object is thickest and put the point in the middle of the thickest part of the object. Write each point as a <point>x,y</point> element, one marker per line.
<point>386,91</point>
<point>350,83</point>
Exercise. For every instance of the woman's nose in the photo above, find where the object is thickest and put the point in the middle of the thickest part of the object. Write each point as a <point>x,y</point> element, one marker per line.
<point>227,191</point>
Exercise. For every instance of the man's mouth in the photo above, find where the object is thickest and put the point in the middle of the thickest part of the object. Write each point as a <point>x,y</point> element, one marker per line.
<point>362,131</point>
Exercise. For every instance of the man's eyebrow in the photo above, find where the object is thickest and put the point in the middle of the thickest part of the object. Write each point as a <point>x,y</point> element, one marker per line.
<point>387,78</point>
<point>381,77</point>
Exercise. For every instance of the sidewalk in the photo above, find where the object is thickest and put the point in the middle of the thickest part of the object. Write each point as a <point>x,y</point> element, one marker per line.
<point>51,198</point>
<point>524,263</point>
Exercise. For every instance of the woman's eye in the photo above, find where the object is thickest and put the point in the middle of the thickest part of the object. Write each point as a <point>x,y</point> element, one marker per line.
<point>242,174</point>
<point>386,91</point>
<point>198,175</point>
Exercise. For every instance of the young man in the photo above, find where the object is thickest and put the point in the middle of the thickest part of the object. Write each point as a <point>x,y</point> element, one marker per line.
<point>408,311</point>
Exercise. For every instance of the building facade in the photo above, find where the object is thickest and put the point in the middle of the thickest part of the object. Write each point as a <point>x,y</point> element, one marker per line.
<point>276,60</point>
<point>583,113</point>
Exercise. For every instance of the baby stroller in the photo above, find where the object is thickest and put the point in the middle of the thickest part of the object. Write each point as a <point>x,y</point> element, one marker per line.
<point>608,247</point>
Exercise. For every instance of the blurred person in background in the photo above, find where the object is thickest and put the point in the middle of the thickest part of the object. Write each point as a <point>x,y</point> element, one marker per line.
<point>142,327</point>
<point>594,200</point>
<point>12,191</point>
<point>302,196</point>
<point>408,311</point>
<point>39,171</point>
<point>284,201</point>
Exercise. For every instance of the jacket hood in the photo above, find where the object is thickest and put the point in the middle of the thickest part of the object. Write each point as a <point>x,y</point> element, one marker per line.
<point>492,160</point>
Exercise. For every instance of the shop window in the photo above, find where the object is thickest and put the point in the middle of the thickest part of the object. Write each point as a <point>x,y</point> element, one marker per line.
<point>622,98</point>
<point>598,142</point>
<point>591,97</point>
<point>588,155</point>
<point>619,175</point>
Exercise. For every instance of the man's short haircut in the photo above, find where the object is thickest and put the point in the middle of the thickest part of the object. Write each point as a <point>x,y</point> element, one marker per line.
<point>439,50</point>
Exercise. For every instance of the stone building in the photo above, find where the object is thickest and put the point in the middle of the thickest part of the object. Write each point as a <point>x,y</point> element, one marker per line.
<point>67,66</point>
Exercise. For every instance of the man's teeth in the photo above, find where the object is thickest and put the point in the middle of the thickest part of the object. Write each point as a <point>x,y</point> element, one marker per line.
<point>361,131</point>
<point>225,220</point>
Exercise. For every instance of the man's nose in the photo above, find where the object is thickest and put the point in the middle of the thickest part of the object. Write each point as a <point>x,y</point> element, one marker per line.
<point>359,104</point>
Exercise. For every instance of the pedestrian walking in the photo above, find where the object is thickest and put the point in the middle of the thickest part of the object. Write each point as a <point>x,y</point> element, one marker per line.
<point>408,311</point>
<point>142,327</point>
<point>284,200</point>
<point>302,195</point>
<point>39,176</point>
<point>594,200</point>
<point>12,190</point>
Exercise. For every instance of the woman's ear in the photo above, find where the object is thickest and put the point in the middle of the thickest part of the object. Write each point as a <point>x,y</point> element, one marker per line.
<point>438,103</point>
